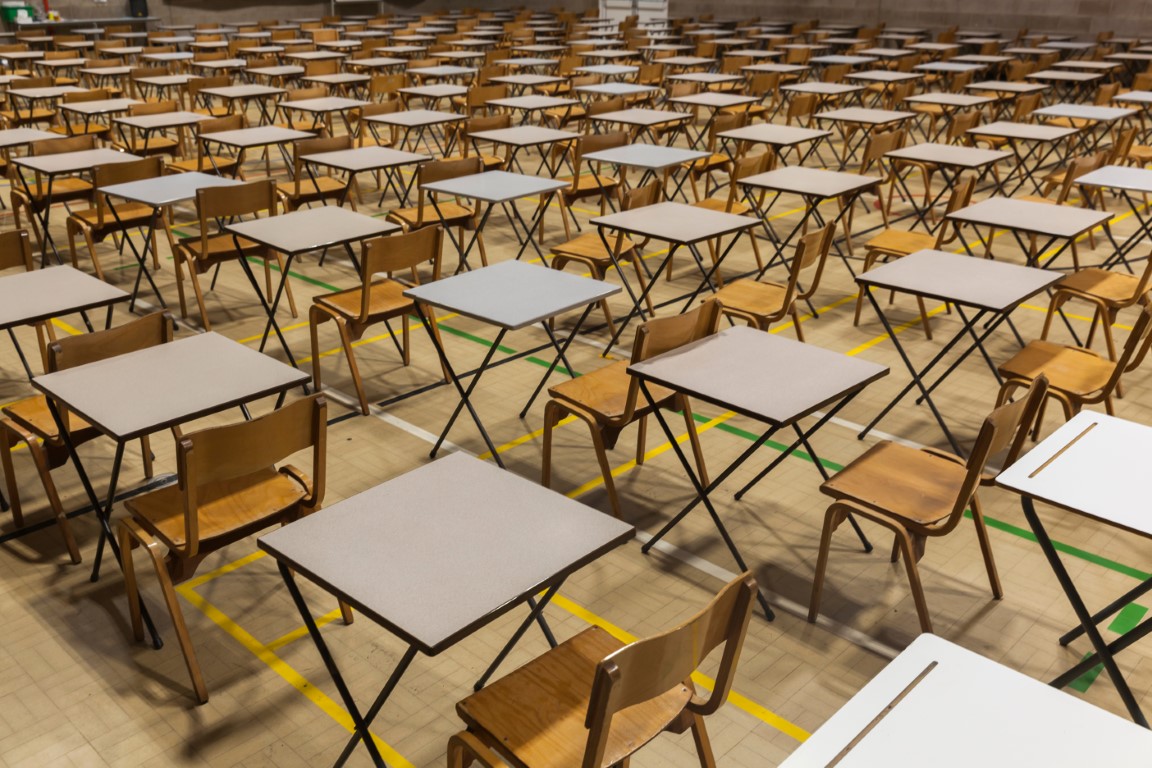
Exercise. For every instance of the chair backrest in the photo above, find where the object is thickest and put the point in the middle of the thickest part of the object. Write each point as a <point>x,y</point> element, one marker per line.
<point>321,67</point>
<point>219,454</point>
<point>1025,106</point>
<point>961,123</point>
<point>595,142</point>
<point>1077,168</point>
<point>16,250</point>
<point>1134,351</point>
<point>75,97</point>
<point>442,170</point>
<point>60,146</point>
<point>645,669</point>
<point>801,105</point>
<point>835,73</point>
<point>357,114</point>
<point>81,349</point>
<point>301,148</point>
<point>121,173</point>
<point>1122,145</point>
<point>808,265</point>
<point>151,108</point>
<point>878,145</point>
<point>960,198</point>
<point>399,253</point>
<point>724,122</point>
<point>218,203</point>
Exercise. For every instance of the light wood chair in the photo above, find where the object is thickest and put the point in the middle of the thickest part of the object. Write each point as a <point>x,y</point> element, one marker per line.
<point>1078,376</point>
<point>80,125</point>
<point>96,223</point>
<point>30,420</point>
<point>894,243</point>
<point>212,247</point>
<point>16,253</point>
<point>157,143</point>
<point>21,114</point>
<point>609,399</point>
<point>587,249</point>
<point>593,701</point>
<point>377,299</point>
<point>207,162</point>
<point>587,180</point>
<point>761,303</point>
<point>306,188</point>
<point>716,162</point>
<point>32,199</point>
<point>455,213</point>
<point>922,493</point>
<point>228,488</point>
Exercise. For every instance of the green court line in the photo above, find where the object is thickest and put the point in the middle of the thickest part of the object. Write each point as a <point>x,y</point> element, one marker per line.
<point>1125,621</point>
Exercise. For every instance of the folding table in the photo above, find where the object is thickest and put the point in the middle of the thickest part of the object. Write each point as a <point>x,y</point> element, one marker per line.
<point>825,93</point>
<point>777,137</point>
<point>951,161</point>
<point>1097,117</point>
<point>520,137</point>
<point>373,62</point>
<point>714,102</point>
<point>370,158</point>
<point>33,297</point>
<point>61,164</point>
<point>520,82</point>
<point>1125,181</point>
<point>1035,137</point>
<point>1092,466</point>
<point>527,105</point>
<point>1069,84</point>
<point>762,376</point>
<point>608,90</point>
<point>245,94</point>
<point>321,110</point>
<point>643,121</point>
<point>949,104</point>
<point>912,708</point>
<point>150,124</point>
<point>1064,222</point>
<point>33,95</point>
<point>499,541</point>
<point>510,295</point>
<point>988,287</point>
<point>432,95</point>
<point>651,159</point>
<point>159,193</point>
<point>681,226</point>
<point>244,139</point>
<point>503,188</point>
<point>179,382</point>
<point>418,121</point>
<point>300,231</point>
<point>610,71</point>
<point>862,119</point>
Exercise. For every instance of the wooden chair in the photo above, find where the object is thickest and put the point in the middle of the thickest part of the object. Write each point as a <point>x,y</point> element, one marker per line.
<point>207,162</point>
<point>455,214</point>
<point>29,420</point>
<point>590,182</point>
<point>228,488</point>
<point>135,142</point>
<point>65,189</point>
<point>895,243</point>
<point>212,246</point>
<point>922,493</point>
<point>762,303</point>
<point>492,161</point>
<point>593,701</point>
<point>587,249</point>
<point>307,188</point>
<point>200,104</point>
<point>1077,376</point>
<point>96,223</point>
<point>716,162</point>
<point>362,130</point>
<point>377,299</point>
<point>1107,291</point>
<point>609,399</point>
<point>16,253</point>
<point>80,125</point>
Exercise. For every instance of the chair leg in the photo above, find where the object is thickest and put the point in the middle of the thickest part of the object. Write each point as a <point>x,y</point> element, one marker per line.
<point>641,439</point>
<point>703,743</point>
<point>906,546</point>
<point>835,515</point>
<point>41,461</point>
<point>986,548</point>
<point>464,749</point>
<point>200,691</point>
<point>315,317</point>
<point>346,612</point>
<point>346,342</point>
<point>287,284</point>
<point>128,539</point>
<point>694,439</point>
<point>204,322</point>
<point>552,416</point>
<point>6,433</point>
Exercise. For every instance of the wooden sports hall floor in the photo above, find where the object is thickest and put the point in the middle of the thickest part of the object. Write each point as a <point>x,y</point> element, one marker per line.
<point>75,690</point>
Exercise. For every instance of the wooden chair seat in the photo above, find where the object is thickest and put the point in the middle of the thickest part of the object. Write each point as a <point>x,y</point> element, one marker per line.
<point>589,248</point>
<point>216,164</point>
<point>561,116</point>
<point>385,296</point>
<point>81,129</point>
<point>228,511</point>
<point>32,414</point>
<point>542,724</point>
<point>23,116</point>
<point>712,162</point>
<point>1069,369</point>
<point>219,247</point>
<point>454,215</point>
<point>926,495</point>
<point>604,392</point>
<point>491,162</point>
<point>67,188</point>
<point>901,242</point>
<point>753,297</point>
<point>588,184</point>
<point>155,145</point>
<point>1104,284</point>
<point>316,188</point>
<point>722,205</point>
<point>130,214</point>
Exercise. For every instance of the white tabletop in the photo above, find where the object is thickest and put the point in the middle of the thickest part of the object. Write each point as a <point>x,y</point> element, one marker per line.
<point>949,99</point>
<point>950,155</point>
<point>676,223</point>
<point>765,376</point>
<point>865,115</point>
<point>777,135</point>
<point>1064,221</point>
<point>1086,112</point>
<point>714,100</point>
<point>131,395</point>
<point>256,137</point>
<point>967,711</point>
<point>1004,86</point>
<point>365,158</point>
<point>815,182</point>
<point>524,135</point>
<point>648,156</point>
<point>512,294</point>
<point>496,186</point>
<point>308,229</point>
<point>457,542</point>
<point>1022,131</point>
<point>167,190</point>
<point>242,91</point>
<point>322,104</point>
<point>414,118</point>
<point>15,137</point>
<point>643,117</point>
<point>99,107</point>
<point>1119,177</point>
<point>71,162</point>
<point>982,283</point>
<point>161,120</point>
<point>532,102</point>
<point>27,297</point>
<point>823,89</point>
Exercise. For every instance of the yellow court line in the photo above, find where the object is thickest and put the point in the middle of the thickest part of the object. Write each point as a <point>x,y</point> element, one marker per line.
<point>235,565</point>
<point>302,631</point>
<point>68,329</point>
<point>287,672</point>
<point>743,703</point>
<point>523,439</point>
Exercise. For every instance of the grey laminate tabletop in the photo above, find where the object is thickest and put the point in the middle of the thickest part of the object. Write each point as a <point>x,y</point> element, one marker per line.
<point>973,282</point>
<point>532,103</point>
<point>161,120</point>
<point>1064,221</point>
<point>1119,177</point>
<point>761,375</point>
<point>777,135</point>
<point>865,115</point>
<point>1022,131</point>
<point>714,100</point>
<point>415,118</point>
<point>72,162</point>
<point>643,117</point>
<point>259,136</point>
<point>524,135</point>
<point>365,158</point>
<point>27,297</point>
<point>436,553</point>
<point>648,156</point>
<point>815,182</point>
<point>949,99</point>
<point>1086,112</point>
<point>676,223</point>
<point>822,89</point>
<point>322,104</point>
<point>1066,76</point>
<point>16,137</point>
<point>496,186</point>
<point>307,229</point>
<point>167,190</point>
<point>950,155</point>
<point>99,107</point>
<point>512,294</point>
<point>131,395</point>
<point>243,91</point>
<point>435,91</point>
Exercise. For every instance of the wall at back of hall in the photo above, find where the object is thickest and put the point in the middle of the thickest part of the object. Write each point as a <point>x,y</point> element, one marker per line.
<point>224,11</point>
<point>1083,18</point>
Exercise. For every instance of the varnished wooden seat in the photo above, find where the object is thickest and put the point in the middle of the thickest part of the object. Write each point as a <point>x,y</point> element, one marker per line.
<point>893,243</point>
<point>761,303</point>
<point>922,493</point>
<point>592,701</point>
<point>1077,376</point>
<point>587,249</point>
<point>377,299</point>
<point>609,399</point>
<point>212,247</point>
<point>31,421</point>
<point>95,224</point>
<point>228,488</point>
